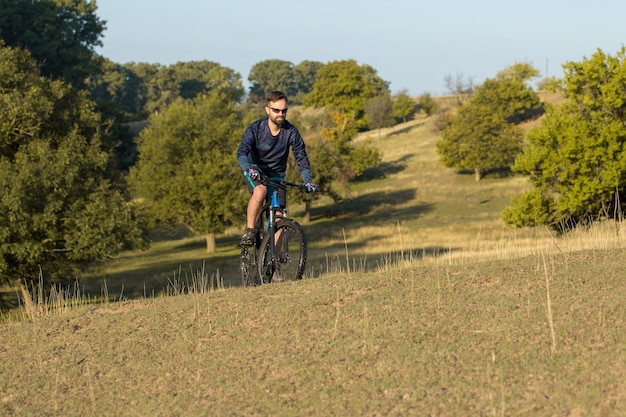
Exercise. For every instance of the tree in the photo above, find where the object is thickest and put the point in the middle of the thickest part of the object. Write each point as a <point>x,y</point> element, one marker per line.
<point>58,209</point>
<point>576,159</point>
<point>482,137</point>
<point>379,112</point>
<point>271,75</point>
<point>165,84</point>
<point>118,86</point>
<point>403,107</point>
<point>274,74</point>
<point>115,91</point>
<point>140,84</point>
<point>187,174</point>
<point>304,77</point>
<point>479,140</point>
<point>523,71</point>
<point>459,87</point>
<point>509,94</point>
<point>346,86</point>
<point>336,159</point>
<point>428,104</point>
<point>60,34</point>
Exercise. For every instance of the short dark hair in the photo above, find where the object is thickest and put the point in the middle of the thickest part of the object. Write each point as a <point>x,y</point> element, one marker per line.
<point>276,95</point>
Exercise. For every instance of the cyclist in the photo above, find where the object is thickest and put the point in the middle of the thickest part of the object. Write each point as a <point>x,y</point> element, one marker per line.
<point>263,151</point>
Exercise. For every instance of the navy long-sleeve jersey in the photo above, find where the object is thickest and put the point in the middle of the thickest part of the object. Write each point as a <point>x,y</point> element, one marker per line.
<point>269,153</point>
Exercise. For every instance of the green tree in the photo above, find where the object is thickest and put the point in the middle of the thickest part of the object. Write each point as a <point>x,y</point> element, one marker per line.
<point>58,210</point>
<point>337,160</point>
<point>304,76</point>
<point>187,174</point>
<point>576,159</point>
<point>199,77</point>
<point>346,86</point>
<point>142,88</point>
<point>479,140</point>
<point>379,112</point>
<point>482,137</point>
<point>404,107</point>
<point>509,95</point>
<point>428,104</point>
<point>60,34</point>
<point>165,84</point>
<point>116,86</point>
<point>271,75</point>
<point>523,71</point>
<point>116,99</point>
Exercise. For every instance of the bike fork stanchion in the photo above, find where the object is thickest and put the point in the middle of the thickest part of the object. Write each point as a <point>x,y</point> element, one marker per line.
<point>274,206</point>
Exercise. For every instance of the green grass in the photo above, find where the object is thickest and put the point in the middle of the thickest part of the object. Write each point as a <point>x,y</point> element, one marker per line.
<point>421,302</point>
<point>410,197</point>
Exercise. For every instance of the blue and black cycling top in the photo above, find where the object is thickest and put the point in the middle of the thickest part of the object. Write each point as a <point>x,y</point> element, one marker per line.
<point>270,153</point>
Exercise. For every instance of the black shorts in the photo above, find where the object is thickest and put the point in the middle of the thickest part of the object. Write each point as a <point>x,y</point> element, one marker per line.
<point>282,192</point>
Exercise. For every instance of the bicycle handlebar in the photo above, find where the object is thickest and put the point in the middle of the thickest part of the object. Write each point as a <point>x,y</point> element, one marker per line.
<point>280,183</point>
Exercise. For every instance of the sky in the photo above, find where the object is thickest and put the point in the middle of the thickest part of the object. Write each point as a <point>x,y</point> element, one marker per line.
<point>412,44</point>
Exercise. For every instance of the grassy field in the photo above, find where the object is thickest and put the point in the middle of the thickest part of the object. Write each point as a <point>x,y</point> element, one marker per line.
<point>410,205</point>
<point>420,302</point>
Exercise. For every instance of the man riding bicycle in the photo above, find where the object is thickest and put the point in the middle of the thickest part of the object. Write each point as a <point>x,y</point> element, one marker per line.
<point>264,151</point>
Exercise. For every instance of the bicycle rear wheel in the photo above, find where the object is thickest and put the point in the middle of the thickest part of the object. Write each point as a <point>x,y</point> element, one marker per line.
<point>290,259</point>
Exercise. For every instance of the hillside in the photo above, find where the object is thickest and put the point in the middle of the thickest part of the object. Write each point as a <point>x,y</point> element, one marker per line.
<point>419,302</point>
<point>540,335</point>
<point>409,207</point>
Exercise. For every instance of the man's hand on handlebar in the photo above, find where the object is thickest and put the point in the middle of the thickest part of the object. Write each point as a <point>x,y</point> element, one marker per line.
<point>253,174</point>
<point>310,187</point>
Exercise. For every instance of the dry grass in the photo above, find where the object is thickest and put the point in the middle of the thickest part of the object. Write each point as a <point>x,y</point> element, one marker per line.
<point>539,335</point>
<point>423,303</point>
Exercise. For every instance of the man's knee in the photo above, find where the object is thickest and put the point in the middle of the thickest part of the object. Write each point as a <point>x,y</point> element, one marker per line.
<point>259,194</point>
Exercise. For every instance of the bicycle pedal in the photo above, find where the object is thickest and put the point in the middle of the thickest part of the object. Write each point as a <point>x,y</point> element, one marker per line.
<point>278,277</point>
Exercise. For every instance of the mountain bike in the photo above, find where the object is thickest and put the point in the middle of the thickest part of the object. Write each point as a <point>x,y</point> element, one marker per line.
<point>280,251</point>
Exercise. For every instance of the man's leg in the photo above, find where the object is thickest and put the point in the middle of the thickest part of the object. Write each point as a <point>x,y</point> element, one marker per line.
<point>255,205</point>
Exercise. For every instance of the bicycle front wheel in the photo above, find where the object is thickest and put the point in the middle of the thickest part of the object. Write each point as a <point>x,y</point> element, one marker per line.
<point>289,260</point>
<point>249,270</point>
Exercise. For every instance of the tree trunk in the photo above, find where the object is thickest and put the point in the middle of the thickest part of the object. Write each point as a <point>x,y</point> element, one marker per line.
<point>307,211</point>
<point>477,174</point>
<point>210,243</point>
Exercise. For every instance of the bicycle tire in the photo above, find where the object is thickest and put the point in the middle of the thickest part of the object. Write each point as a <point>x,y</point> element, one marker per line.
<point>249,270</point>
<point>291,260</point>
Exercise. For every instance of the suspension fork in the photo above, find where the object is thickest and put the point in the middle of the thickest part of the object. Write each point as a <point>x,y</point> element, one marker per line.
<point>274,206</point>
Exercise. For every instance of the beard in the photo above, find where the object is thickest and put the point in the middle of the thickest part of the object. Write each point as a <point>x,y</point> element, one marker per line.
<point>278,120</point>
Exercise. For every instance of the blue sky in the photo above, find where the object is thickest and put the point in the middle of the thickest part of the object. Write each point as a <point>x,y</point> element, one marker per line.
<point>413,44</point>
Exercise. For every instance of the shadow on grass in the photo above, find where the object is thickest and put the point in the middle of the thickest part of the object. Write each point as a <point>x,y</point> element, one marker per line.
<point>177,259</point>
<point>165,270</point>
<point>373,209</point>
<point>405,129</point>
<point>164,267</point>
<point>155,278</point>
<point>384,169</point>
<point>8,300</point>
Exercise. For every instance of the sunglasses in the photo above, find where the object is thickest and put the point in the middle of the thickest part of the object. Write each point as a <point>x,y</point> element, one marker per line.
<point>277,111</point>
